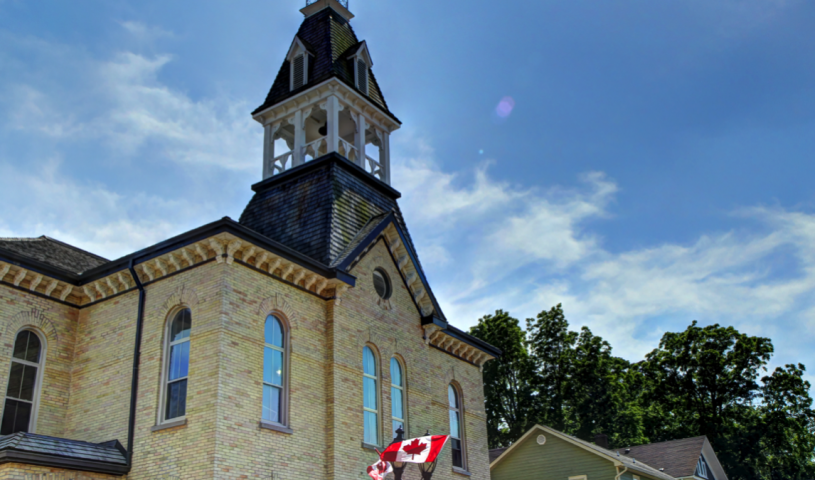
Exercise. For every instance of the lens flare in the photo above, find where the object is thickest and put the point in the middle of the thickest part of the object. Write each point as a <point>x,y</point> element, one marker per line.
<point>504,108</point>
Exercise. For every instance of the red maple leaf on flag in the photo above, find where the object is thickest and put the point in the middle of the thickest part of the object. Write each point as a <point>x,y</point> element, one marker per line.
<point>415,448</point>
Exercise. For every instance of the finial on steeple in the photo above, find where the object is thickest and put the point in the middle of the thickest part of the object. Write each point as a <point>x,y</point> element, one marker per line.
<point>339,6</point>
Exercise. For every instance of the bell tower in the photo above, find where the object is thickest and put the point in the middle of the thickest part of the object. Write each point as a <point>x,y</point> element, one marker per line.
<point>326,99</point>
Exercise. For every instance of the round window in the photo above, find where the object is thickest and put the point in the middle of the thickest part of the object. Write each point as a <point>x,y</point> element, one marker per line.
<point>541,439</point>
<point>382,284</point>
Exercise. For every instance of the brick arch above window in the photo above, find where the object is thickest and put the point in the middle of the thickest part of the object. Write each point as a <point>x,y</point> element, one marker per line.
<point>183,296</point>
<point>278,305</point>
<point>35,318</point>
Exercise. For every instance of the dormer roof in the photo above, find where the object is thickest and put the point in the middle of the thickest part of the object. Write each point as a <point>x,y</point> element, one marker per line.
<point>328,36</point>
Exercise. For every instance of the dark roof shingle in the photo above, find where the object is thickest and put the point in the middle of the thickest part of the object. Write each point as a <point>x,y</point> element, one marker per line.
<point>677,457</point>
<point>109,452</point>
<point>53,252</point>
<point>330,39</point>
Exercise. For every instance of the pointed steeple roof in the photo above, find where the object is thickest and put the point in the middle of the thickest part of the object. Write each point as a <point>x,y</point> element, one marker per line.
<point>331,41</point>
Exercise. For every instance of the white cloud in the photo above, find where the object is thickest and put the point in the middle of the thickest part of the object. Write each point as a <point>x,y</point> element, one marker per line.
<point>145,32</point>
<point>533,248</point>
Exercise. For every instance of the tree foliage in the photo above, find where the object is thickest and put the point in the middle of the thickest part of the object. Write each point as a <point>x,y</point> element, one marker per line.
<point>702,381</point>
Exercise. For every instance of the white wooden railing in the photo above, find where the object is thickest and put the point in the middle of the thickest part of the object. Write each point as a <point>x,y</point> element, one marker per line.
<point>347,150</point>
<point>373,167</point>
<point>316,149</point>
<point>279,163</point>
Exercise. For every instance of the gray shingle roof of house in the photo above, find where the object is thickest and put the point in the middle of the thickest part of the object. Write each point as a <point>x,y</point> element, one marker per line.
<point>321,208</point>
<point>496,452</point>
<point>677,457</point>
<point>331,40</point>
<point>109,452</point>
<point>53,252</point>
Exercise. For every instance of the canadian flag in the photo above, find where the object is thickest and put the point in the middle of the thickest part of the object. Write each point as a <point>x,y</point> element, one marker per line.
<point>415,450</point>
<point>378,470</point>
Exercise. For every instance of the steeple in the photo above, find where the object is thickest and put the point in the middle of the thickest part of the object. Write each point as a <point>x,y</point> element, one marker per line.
<point>326,99</point>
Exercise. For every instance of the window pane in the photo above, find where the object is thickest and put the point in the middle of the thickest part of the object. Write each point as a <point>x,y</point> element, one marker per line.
<point>32,354</point>
<point>452,397</point>
<point>370,429</point>
<point>15,380</point>
<point>396,425</point>
<point>271,403</point>
<point>181,326</point>
<point>16,417</point>
<point>273,366</point>
<point>176,399</point>
<point>458,460</point>
<point>369,393</point>
<point>397,410</point>
<point>179,360</point>
<point>28,383</point>
<point>21,344</point>
<point>274,332</point>
<point>455,430</point>
<point>369,361</point>
<point>396,372</point>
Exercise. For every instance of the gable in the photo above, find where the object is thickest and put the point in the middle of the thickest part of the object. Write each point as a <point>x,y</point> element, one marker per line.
<point>556,459</point>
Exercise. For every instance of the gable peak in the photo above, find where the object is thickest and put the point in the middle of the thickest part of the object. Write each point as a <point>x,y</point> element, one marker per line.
<point>339,6</point>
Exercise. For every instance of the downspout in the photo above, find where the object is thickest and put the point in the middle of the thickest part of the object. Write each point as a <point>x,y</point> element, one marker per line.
<point>134,384</point>
<point>619,473</point>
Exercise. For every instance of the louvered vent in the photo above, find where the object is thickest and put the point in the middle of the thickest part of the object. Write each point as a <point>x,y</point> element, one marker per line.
<point>298,79</point>
<point>362,76</point>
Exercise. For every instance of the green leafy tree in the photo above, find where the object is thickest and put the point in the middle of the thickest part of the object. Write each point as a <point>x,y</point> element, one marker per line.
<point>551,346</point>
<point>705,381</point>
<point>508,390</point>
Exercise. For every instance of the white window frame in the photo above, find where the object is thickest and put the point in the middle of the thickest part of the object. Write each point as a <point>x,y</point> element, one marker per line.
<point>461,430</point>
<point>579,477</point>
<point>35,404</point>
<point>165,369</point>
<point>284,395</point>
<point>364,55</point>
<point>402,388</point>
<point>297,49</point>
<point>376,378</point>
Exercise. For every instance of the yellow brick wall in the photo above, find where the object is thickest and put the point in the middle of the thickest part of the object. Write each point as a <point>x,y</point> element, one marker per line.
<point>222,437</point>
<point>57,323</point>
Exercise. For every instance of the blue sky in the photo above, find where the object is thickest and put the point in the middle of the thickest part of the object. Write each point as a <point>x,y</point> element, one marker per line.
<point>656,166</point>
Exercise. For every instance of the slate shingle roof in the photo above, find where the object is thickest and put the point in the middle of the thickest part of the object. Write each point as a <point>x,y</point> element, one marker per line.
<point>331,39</point>
<point>109,452</point>
<point>53,252</point>
<point>321,208</point>
<point>496,452</point>
<point>677,457</point>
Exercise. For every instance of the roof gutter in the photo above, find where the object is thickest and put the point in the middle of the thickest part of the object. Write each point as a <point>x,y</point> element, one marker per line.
<point>134,382</point>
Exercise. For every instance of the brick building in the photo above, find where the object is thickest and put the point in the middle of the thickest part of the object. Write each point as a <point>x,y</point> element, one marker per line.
<point>286,345</point>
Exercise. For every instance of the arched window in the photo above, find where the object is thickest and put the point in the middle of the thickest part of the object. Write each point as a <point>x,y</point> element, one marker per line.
<point>397,397</point>
<point>177,358</point>
<point>456,430</point>
<point>274,372</point>
<point>23,390</point>
<point>370,397</point>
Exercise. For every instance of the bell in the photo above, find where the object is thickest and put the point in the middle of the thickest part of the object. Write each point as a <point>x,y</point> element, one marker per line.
<point>324,129</point>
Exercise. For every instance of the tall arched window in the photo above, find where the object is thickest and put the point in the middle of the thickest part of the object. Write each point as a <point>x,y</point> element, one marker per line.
<point>22,394</point>
<point>274,372</point>
<point>456,433</point>
<point>370,397</point>
<point>177,357</point>
<point>397,397</point>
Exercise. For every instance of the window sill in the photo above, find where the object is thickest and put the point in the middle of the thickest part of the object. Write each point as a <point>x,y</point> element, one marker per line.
<point>368,446</point>
<point>165,426</point>
<point>461,471</point>
<point>275,427</point>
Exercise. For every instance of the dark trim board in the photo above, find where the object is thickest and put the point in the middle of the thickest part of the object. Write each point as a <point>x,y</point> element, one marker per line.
<point>29,458</point>
<point>224,225</point>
